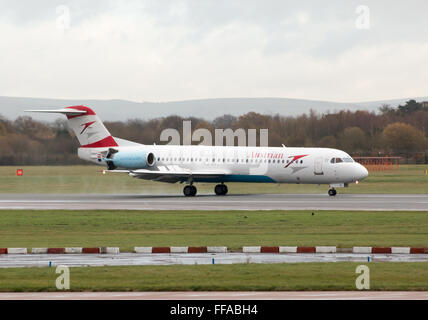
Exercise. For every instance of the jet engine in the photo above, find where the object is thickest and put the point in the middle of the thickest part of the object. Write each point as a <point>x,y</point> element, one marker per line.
<point>129,159</point>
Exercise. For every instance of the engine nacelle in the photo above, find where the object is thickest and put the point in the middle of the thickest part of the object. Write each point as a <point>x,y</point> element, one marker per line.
<point>129,159</point>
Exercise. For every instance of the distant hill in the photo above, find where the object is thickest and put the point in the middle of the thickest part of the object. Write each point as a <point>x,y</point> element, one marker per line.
<point>110,110</point>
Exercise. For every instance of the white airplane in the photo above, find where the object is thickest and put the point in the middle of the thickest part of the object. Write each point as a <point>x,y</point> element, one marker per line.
<point>216,164</point>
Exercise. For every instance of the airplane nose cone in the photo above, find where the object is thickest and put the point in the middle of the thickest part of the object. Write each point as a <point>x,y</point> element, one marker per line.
<point>362,172</point>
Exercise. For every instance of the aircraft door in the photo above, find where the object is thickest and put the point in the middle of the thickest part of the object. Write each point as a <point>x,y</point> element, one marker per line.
<point>318,166</point>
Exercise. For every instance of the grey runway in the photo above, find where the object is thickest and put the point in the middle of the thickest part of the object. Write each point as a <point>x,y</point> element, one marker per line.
<point>134,259</point>
<point>413,202</point>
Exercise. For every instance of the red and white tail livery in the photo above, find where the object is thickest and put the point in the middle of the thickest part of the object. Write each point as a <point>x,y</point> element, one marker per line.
<point>87,127</point>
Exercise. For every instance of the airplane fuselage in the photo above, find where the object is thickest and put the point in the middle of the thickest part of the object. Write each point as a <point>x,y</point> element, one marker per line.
<point>247,164</point>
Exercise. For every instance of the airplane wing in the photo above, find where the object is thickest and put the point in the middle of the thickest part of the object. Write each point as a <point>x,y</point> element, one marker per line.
<point>171,174</point>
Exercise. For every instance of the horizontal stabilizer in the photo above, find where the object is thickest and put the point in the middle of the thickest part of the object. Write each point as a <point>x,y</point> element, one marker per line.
<point>71,112</point>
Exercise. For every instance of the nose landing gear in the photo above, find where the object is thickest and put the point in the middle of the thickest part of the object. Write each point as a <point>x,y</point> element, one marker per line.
<point>220,190</point>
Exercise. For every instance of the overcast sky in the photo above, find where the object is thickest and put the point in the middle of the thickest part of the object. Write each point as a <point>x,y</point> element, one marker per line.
<point>177,50</point>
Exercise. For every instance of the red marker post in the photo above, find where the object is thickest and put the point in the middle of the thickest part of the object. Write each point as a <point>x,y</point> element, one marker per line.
<point>19,172</point>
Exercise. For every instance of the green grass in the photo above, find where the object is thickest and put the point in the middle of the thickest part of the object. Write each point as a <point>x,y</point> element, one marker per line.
<point>89,179</point>
<point>234,229</point>
<point>248,277</point>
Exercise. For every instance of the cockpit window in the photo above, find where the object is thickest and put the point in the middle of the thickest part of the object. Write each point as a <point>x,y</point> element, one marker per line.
<point>339,160</point>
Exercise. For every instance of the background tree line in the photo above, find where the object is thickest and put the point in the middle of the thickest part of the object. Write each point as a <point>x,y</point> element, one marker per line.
<point>400,131</point>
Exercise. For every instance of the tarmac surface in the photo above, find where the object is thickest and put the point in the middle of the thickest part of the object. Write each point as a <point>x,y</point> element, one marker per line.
<point>220,295</point>
<point>387,202</point>
<point>135,259</point>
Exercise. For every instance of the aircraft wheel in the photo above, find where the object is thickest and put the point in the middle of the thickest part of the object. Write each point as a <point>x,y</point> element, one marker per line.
<point>225,190</point>
<point>189,191</point>
<point>332,192</point>
<point>220,189</point>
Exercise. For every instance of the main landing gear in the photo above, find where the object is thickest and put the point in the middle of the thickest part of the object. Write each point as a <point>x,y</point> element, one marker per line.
<point>189,191</point>
<point>332,192</point>
<point>220,190</point>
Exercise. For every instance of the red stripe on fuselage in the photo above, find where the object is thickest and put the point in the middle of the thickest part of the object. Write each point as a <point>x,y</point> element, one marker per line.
<point>106,142</point>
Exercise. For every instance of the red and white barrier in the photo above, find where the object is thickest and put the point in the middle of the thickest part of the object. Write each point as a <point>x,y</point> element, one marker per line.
<point>73,250</point>
<point>180,249</point>
<point>275,249</point>
<point>90,250</point>
<point>17,250</point>
<point>325,249</point>
<point>143,249</point>
<point>217,249</point>
<point>389,250</point>
<point>214,249</point>
<point>39,250</point>
<point>287,249</point>
<point>110,250</point>
<point>383,250</point>
<point>418,250</point>
<point>404,250</point>
<point>361,249</point>
<point>56,250</point>
<point>253,249</point>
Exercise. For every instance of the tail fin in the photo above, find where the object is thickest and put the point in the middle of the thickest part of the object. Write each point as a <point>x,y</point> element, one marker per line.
<point>87,127</point>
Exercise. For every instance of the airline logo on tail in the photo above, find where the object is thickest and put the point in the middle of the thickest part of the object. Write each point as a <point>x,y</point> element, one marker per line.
<point>86,125</point>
